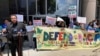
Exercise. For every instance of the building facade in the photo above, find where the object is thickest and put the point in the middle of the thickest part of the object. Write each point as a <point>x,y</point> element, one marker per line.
<point>89,9</point>
<point>34,9</point>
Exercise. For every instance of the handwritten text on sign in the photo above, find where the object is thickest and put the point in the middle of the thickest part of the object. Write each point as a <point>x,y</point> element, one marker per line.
<point>56,38</point>
<point>37,22</point>
<point>50,20</point>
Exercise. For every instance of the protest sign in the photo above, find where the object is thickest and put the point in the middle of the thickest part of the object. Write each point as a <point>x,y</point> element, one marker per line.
<point>29,28</point>
<point>20,18</point>
<point>60,19</point>
<point>81,20</point>
<point>56,38</point>
<point>50,20</point>
<point>72,11</point>
<point>37,22</point>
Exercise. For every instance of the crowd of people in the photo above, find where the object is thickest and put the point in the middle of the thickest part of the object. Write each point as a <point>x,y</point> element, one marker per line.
<point>92,26</point>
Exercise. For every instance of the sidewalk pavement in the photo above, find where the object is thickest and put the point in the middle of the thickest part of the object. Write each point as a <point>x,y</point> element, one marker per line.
<point>30,52</point>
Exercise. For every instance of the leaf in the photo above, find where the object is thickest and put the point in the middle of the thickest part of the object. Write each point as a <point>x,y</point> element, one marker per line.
<point>39,30</point>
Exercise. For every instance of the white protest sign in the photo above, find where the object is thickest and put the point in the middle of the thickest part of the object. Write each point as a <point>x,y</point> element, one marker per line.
<point>37,22</point>
<point>50,20</point>
<point>30,28</point>
<point>81,20</point>
<point>60,19</point>
<point>20,18</point>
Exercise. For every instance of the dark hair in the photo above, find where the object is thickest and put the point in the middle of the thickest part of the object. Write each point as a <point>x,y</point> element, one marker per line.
<point>98,22</point>
<point>13,15</point>
<point>29,22</point>
<point>91,24</point>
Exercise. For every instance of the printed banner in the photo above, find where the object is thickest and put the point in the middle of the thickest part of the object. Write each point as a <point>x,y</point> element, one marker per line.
<point>63,38</point>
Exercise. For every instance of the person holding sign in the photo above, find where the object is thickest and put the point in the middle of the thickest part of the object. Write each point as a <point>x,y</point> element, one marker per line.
<point>30,28</point>
<point>14,35</point>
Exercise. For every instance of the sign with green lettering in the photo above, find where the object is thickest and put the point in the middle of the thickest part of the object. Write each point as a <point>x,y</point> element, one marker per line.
<point>58,38</point>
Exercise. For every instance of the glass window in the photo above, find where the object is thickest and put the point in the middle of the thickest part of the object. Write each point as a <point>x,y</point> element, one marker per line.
<point>41,7</point>
<point>21,6</point>
<point>17,6</point>
<point>98,10</point>
<point>12,7</point>
<point>51,6</point>
<point>32,7</point>
<point>63,5</point>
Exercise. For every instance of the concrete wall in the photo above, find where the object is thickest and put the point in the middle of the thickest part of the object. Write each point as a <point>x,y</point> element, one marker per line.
<point>89,9</point>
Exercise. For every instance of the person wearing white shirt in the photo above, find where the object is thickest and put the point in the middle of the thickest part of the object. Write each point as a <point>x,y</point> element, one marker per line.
<point>30,35</point>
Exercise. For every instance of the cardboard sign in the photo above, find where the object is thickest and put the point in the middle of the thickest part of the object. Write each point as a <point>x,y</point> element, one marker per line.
<point>50,20</point>
<point>37,22</point>
<point>81,20</point>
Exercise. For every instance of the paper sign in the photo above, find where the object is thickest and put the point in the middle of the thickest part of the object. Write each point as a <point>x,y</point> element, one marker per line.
<point>29,28</point>
<point>60,19</point>
<point>50,20</point>
<point>20,18</point>
<point>37,22</point>
<point>81,20</point>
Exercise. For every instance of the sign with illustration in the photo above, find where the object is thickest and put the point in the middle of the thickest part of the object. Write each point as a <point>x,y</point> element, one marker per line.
<point>72,11</point>
<point>63,38</point>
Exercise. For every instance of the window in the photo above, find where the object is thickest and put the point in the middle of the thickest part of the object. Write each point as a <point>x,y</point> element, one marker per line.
<point>13,7</point>
<point>17,6</point>
<point>32,7</point>
<point>51,6</point>
<point>21,7</point>
<point>98,10</point>
<point>41,8</point>
<point>63,5</point>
